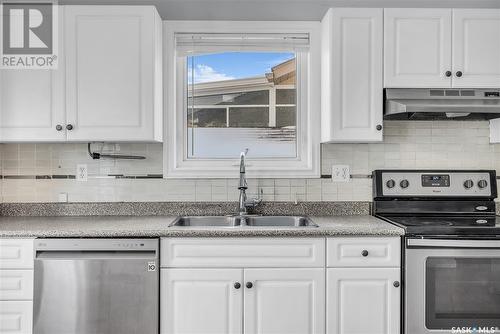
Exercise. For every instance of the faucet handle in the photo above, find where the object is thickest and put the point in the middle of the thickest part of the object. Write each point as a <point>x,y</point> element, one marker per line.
<point>253,202</point>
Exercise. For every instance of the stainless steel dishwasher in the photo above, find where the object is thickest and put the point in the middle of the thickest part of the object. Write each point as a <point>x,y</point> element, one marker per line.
<point>96,286</point>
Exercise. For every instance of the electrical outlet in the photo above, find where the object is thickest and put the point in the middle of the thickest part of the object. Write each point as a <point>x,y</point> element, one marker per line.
<point>63,197</point>
<point>341,173</point>
<point>82,172</point>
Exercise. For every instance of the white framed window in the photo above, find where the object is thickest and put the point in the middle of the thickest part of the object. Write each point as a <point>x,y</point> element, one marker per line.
<point>257,87</point>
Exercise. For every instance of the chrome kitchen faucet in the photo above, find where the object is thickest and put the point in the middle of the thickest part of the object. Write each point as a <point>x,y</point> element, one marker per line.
<point>243,203</point>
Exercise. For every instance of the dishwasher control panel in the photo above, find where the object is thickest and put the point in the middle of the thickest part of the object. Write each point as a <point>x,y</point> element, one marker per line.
<point>108,244</point>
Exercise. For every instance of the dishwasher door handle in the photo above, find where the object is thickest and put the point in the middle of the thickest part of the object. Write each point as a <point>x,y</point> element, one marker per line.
<point>453,243</point>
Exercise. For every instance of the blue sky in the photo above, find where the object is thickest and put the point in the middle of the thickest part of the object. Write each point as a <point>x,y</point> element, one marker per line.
<point>235,65</point>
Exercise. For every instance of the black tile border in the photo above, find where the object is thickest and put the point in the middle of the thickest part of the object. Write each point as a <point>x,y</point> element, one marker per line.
<point>73,177</point>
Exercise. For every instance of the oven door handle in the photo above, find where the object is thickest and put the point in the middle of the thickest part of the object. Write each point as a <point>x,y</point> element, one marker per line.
<point>453,243</point>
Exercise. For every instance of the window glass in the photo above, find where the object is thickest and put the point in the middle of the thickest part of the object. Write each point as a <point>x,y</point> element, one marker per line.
<point>285,117</point>
<point>285,96</point>
<point>239,100</point>
<point>207,118</point>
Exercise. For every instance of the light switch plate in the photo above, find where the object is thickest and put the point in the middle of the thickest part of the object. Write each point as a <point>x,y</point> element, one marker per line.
<point>341,173</point>
<point>82,172</point>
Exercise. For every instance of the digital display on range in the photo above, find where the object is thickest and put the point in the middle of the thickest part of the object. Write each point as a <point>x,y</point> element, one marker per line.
<point>435,180</point>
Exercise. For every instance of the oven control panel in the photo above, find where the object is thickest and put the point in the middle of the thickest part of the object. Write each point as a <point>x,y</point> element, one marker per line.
<point>394,183</point>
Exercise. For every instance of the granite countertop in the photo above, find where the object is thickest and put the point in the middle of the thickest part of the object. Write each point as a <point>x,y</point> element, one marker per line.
<point>157,226</point>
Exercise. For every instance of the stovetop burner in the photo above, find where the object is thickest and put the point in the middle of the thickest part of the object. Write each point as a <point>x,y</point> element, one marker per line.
<point>444,221</point>
<point>447,225</point>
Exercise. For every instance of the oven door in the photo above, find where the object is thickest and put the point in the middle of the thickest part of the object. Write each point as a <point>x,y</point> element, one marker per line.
<point>452,286</point>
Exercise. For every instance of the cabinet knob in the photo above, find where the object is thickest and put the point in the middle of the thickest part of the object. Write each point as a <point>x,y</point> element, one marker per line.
<point>396,284</point>
<point>364,253</point>
<point>379,127</point>
<point>237,285</point>
<point>69,127</point>
<point>58,127</point>
<point>249,285</point>
<point>448,74</point>
<point>459,74</point>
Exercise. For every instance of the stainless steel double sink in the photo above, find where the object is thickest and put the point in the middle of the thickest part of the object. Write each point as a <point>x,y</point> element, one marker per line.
<point>243,221</point>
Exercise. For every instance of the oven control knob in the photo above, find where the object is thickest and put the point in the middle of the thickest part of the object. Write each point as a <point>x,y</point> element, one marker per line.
<point>482,184</point>
<point>391,183</point>
<point>404,184</point>
<point>468,184</point>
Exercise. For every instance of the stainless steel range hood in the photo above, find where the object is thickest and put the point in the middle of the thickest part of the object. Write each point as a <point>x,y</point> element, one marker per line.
<point>441,104</point>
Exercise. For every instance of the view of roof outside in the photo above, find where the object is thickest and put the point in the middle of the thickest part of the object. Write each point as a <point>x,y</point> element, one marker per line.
<point>239,100</point>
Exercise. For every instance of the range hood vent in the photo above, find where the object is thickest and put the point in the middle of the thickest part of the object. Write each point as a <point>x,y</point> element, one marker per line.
<point>441,104</point>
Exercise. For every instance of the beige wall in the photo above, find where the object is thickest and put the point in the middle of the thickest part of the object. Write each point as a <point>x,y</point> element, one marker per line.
<point>451,145</point>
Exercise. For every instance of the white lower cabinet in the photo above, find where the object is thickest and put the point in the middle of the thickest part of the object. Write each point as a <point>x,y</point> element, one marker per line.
<point>284,301</point>
<point>363,287</point>
<point>201,301</point>
<point>251,294</point>
<point>220,301</point>
<point>16,317</point>
<point>211,286</point>
<point>16,286</point>
<point>363,301</point>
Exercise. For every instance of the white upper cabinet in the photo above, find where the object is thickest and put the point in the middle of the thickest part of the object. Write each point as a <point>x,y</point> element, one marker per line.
<point>476,48</point>
<point>442,48</point>
<point>113,73</point>
<point>417,48</point>
<point>32,103</point>
<point>31,106</point>
<point>352,91</point>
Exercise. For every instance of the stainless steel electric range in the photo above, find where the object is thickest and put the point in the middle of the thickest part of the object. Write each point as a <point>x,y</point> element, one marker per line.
<point>451,247</point>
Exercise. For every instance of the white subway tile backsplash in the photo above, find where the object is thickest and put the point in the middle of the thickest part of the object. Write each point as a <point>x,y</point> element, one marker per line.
<point>415,144</point>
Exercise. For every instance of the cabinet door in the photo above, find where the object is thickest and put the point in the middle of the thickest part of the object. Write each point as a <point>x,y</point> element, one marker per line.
<point>352,84</point>
<point>284,301</point>
<point>417,48</point>
<point>16,253</point>
<point>16,284</point>
<point>111,85</point>
<point>363,301</point>
<point>32,103</point>
<point>476,48</point>
<point>16,317</point>
<point>201,301</point>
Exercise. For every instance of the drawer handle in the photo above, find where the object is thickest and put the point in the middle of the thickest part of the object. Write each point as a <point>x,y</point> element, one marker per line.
<point>237,285</point>
<point>249,285</point>
<point>396,284</point>
<point>364,253</point>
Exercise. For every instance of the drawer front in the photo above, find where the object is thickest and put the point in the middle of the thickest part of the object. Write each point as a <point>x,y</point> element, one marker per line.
<point>16,317</point>
<point>16,253</point>
<point>242,252</point>
<point>16,284</point>
<point>363,252</point>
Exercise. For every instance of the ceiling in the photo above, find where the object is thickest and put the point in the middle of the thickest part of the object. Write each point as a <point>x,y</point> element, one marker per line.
<point>279,10</point>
